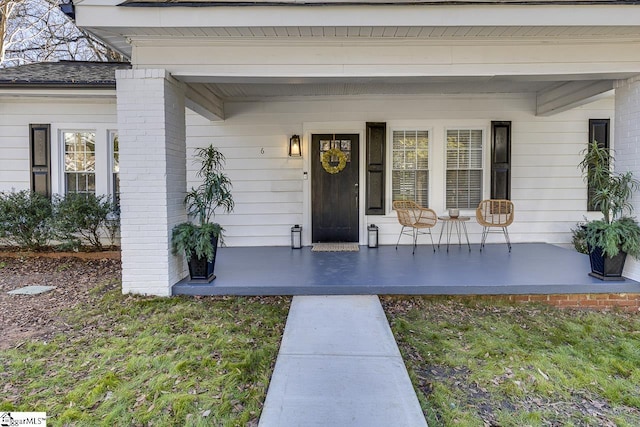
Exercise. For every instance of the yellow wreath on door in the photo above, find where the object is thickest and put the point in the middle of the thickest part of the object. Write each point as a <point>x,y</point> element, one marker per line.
<point>326,158</point>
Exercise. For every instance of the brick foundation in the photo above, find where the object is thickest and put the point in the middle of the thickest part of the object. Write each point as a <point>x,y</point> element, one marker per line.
<point>624,302</point>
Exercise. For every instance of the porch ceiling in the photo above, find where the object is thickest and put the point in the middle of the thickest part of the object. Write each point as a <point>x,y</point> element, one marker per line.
<point>554,94</point>
<point>230,90</point>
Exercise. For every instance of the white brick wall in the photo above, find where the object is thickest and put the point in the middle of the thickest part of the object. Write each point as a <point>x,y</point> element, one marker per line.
<point>627,145</point>
<point>151,124</point>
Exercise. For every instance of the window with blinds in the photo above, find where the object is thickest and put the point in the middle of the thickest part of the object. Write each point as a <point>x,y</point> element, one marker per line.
<point>464,168</point>
<point>80,162</point>
<point>410,166</point>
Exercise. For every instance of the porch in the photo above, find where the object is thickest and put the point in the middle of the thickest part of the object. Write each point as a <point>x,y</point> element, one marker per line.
<point>530,268</point>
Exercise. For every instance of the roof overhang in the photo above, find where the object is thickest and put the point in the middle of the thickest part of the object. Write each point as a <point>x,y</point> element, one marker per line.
<point>58,93</point>
<point>118,25</point>
<point>156,33</point>
<point>55,85</point>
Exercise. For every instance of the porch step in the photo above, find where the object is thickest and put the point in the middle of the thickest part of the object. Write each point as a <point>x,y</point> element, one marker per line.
<point>339,365</point>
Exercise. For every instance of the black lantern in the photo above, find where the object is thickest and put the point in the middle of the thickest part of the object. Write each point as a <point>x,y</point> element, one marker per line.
<point>372,234</point>
<point>296,237</point>
<point>295,148</point>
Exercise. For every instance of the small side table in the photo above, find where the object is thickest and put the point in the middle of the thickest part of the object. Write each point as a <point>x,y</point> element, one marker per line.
<point>459,224</point>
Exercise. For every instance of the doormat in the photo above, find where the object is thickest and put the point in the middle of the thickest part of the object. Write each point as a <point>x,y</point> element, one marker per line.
<point>335,247</point>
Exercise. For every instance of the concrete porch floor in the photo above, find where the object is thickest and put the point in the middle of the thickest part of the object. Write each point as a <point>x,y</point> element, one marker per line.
<point>530,268</point>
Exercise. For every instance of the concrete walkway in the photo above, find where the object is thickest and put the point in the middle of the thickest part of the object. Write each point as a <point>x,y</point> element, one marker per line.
<point>339,365</point>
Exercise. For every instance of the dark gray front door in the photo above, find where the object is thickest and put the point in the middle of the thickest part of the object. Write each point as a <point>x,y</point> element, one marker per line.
<point>334,200</point>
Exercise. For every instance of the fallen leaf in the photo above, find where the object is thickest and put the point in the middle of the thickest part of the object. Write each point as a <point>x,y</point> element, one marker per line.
<point>545,376</point>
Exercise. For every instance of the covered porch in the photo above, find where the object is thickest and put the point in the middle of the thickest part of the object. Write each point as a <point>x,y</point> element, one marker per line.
<point>530,268</point>
<point>254,76</point>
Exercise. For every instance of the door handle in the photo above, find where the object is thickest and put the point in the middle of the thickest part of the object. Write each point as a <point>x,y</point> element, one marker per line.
<point>357,194</point>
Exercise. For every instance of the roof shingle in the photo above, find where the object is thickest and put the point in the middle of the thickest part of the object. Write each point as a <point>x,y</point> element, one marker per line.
<point>62,73</point>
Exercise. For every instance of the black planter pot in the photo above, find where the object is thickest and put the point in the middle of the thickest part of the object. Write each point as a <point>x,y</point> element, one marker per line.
<point>202,270</point>
<point>605,268</point>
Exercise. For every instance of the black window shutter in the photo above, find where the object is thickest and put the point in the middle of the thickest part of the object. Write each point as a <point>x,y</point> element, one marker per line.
<point>376,137</point>
<point>501,160</point>
<point>598,131</point>
<point>40,153</point>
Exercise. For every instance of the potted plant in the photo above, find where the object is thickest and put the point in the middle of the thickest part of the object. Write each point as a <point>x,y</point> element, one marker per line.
<point>611,238</point>
<point>198,238</point>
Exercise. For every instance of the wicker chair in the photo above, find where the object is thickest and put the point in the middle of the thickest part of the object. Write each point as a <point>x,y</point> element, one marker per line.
<point>495,213</point>
<point>418,219</point>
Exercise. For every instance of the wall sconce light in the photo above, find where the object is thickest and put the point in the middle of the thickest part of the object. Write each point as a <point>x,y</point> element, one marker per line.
<point>372,232</point>
<point>296,237</point>
<point>295,148</point>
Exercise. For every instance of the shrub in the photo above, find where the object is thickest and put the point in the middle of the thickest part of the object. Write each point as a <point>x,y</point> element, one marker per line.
<point>113,224</point>
<point>622,234</point>
<point>578,236</point>
<point>82,217</point>
<point>201,203</point>
<point>191,239</point>
<point>25,219</point>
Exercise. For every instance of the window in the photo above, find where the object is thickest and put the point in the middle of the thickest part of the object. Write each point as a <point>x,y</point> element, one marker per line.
<point>410,170</point>
<point>79,162</point>
<point>464,168</point>
<point>115,170</point>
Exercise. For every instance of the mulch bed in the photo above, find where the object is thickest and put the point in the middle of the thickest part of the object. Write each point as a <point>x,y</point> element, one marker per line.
<point>74,275</point>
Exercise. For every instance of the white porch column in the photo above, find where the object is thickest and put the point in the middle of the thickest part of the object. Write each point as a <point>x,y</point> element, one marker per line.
<point>627,145</point>
<point>151,127</point>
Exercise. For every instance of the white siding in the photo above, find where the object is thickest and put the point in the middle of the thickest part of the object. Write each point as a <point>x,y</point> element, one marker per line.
<point>547,188</point>
<point>267,184</point>
<point>270,192</point>
<point>63,114</point>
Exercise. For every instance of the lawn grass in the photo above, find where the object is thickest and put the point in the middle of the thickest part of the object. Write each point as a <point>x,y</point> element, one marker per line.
<point>476,363</point>
<point>134,361</point>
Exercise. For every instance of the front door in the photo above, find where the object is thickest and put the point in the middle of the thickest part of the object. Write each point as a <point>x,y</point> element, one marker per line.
<point>334,185</point>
